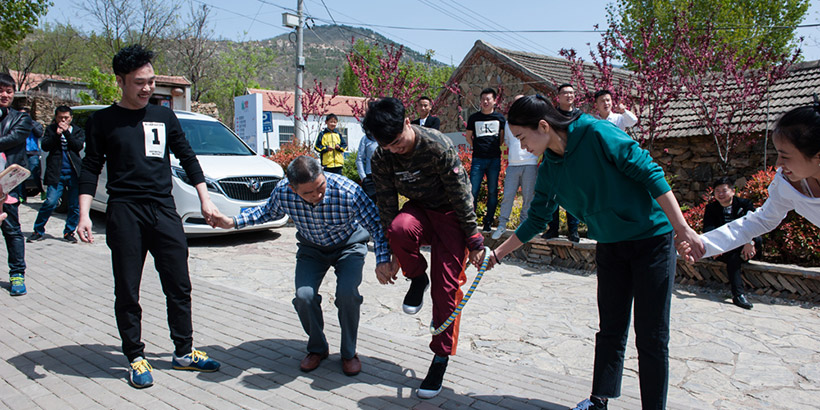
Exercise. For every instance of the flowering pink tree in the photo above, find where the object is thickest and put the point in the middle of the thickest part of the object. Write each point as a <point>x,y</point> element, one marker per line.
<point>383,75</point>
<point>316,103</point>
<point>725,89</point>
<point>648,91</point>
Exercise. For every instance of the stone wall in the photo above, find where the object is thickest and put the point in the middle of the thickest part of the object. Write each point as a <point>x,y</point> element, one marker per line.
<point>209,109</point>
<point>42,106</point>
<point>787,281</point>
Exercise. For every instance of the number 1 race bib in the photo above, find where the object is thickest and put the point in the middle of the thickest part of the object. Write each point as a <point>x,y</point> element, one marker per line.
<point>154,139</point>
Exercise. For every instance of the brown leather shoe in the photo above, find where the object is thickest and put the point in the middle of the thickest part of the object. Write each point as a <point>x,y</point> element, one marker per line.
<point>312,360</point>
<point>352,366</point>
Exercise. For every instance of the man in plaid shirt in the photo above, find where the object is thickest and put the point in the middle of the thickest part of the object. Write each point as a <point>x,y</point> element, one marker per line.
<point>333,216</point>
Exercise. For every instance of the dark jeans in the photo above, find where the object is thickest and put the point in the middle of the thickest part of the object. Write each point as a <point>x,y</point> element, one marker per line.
<point>312,264</point>
<point>572,222</point>
<point>369,187</point>
<point>643,271</point>
<point>36,172</point>
<point>733,261</point>
<point>15,242</point>
<point>491,167</point>
<point>53,194</point>
<point>133,229</point>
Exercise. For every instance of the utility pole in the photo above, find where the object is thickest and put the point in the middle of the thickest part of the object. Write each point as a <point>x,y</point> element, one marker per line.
<point>300,68</point>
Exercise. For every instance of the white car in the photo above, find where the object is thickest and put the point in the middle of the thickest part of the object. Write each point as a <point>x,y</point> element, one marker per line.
<point>236,177</point>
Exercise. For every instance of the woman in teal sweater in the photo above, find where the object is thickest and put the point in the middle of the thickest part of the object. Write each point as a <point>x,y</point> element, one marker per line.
<point>598,173</point>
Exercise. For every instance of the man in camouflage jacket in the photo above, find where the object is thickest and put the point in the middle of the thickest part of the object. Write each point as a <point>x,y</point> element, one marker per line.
<point>423,165</point>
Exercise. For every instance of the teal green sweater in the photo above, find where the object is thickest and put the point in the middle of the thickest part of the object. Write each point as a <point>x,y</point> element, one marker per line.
<point>605,179</point>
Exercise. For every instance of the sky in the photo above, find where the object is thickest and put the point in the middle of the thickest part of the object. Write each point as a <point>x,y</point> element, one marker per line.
<point>261,19</point>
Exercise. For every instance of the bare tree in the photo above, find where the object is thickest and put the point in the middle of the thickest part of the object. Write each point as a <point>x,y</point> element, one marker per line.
<point>123,22</point>
<point>194,54</point>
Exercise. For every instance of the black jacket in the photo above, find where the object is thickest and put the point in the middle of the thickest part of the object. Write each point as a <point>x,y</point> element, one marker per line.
<point>431,122</point>
<point>713,214</point>
<point>15,127</point>
<point>54,162</point>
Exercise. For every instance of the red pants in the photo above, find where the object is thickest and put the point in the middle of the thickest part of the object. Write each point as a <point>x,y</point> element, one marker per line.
<point>415,226</point>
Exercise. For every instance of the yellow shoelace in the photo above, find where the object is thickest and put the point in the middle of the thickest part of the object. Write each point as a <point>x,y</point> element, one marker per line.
<point>142,366</point>
<point>197,355</point>
<point>16,280</point>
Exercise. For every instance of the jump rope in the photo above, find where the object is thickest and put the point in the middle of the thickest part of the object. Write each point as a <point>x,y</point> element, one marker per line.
<point>457,311</point>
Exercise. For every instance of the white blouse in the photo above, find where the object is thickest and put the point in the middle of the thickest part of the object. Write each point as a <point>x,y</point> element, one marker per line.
<point>783,197</point>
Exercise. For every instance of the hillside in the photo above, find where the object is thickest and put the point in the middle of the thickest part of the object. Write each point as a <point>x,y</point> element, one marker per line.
<point>325,48</point>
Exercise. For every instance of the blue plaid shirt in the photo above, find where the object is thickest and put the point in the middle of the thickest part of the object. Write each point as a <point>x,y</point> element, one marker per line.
<point>344,207</point>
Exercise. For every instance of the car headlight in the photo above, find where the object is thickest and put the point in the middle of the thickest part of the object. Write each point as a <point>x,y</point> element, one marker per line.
<point>211,183</point>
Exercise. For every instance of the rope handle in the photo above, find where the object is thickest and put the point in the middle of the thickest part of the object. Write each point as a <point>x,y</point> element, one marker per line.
<point>483,268</point>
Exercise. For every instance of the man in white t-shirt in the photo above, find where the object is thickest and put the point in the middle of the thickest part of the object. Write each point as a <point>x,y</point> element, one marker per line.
<point>605,110</point>
<point>522,168</point>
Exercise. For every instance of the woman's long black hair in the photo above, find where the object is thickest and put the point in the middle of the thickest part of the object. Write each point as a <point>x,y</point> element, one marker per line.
<point>528,111</point>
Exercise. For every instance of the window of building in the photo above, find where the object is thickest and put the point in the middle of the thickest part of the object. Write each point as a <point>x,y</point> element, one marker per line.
<point>286,133</point>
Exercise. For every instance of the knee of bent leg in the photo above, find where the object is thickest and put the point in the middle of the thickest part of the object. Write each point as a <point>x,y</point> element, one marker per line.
<point>305,296</point>
<point>403,225</point>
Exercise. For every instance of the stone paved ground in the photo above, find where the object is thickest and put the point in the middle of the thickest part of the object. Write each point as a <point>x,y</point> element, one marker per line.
<point>526,339</point>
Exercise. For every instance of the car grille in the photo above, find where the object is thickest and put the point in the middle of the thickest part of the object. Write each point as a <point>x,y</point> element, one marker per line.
<point>248,188</point>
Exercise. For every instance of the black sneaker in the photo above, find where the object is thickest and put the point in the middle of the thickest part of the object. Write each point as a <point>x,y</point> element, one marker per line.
<point>35,237</point>
<point>549,234</point>
<point>70,238</point>
<point>431,386</point>
<point>415,295</point>
<point>573,237</point>
<point>741,301</point>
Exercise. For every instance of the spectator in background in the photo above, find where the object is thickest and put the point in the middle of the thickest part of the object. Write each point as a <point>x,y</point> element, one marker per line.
<point>485,130</point>
<point>367,146</point>
<point>522,169</point>
<point>423,107</point>
<point>33,153</point>
<point>331,145</point>
<point>566,106</point>
<point>621,117</point>
<point>724,209</point>
<point>15,127</point>
<point>63,142</point>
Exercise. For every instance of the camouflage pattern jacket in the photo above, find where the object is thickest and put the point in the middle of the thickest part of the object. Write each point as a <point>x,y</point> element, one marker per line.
<point>431,176</point>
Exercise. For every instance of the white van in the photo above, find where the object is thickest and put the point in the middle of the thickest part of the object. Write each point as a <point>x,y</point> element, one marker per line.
<point>237,178</point>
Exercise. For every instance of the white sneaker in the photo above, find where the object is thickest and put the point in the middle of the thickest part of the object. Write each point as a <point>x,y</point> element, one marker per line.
<point>499,232</point>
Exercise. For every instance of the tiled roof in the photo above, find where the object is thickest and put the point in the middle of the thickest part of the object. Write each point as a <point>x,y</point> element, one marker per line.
<point>794,90</point>
<point>172,80</point>
<point>338,105</point>
<point>34,79</point>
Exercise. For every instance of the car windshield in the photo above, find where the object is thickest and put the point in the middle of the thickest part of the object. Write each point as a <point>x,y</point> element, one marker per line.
<point>212,138</point>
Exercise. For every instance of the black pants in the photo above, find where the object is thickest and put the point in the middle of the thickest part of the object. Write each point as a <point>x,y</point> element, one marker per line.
<point>132,229</point>
<point>643,271</point>
<point>733,261</point>
<point>335,170</point>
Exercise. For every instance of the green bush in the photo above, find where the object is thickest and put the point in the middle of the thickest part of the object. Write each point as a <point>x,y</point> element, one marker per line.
<point>349,167</point>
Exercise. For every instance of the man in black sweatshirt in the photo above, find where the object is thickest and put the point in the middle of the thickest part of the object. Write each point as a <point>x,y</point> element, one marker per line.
<point>134,138</point>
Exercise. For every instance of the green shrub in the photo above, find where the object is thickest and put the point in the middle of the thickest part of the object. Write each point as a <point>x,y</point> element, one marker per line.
<point>349,168</point>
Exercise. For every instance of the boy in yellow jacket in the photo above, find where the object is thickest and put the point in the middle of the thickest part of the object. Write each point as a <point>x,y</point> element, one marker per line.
<point>331,146</point>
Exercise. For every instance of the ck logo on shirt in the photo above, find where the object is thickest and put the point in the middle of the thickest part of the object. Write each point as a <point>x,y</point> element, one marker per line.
<point>154,139</point>
<point>487,128</point>
<point>408,176</point>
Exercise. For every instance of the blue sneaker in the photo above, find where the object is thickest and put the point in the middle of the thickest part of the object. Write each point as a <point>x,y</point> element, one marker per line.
<point>18,285</point>
<point>196,360</point>
<point>141,373</point>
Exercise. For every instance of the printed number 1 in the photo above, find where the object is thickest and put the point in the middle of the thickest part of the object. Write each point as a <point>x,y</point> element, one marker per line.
<point>156,136</point>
